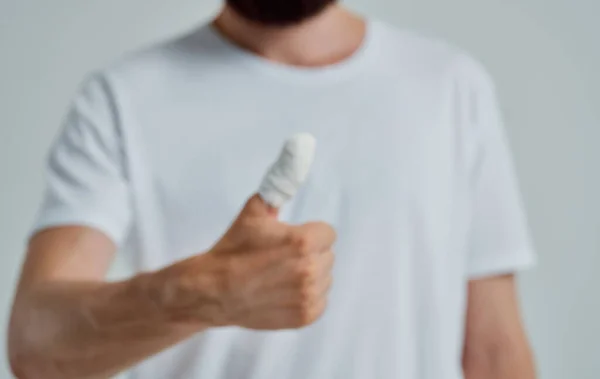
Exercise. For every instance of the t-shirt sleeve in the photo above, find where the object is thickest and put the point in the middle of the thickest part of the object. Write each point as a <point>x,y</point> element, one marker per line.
<point>85,179</point>
<point>499,237</point>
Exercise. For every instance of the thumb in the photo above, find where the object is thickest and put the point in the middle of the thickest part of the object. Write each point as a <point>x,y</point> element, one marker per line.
<point>284,178</point>
<point>256,206</point>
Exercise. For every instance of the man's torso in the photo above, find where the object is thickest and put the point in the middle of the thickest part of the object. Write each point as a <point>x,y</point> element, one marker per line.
<point>201,125</point>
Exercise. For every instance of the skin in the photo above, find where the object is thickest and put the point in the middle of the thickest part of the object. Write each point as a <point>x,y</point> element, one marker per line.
<point>67,322</point>
<point>332,36</point>
<point>496,345</point>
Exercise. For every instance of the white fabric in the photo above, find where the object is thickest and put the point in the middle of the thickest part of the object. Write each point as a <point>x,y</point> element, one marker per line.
<point>161,150</point>
<point>285,177</point>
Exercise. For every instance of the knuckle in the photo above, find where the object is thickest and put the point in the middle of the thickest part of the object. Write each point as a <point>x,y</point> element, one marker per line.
<point>334,234</point>
<point>329,231</point>
<point>305,316</point>
<point>302,244</point>
<point>310,314</point>
<point>307,295</point>
<point>329,228</point>
<point>310,308</point>
<point>330,259</point>
<point>305,270</point>
<point>301,272</point>
<point>329,283</point>
<point>320,311</point>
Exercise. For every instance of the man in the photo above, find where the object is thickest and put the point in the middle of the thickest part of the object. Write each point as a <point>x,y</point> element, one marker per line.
<point>161,154</point>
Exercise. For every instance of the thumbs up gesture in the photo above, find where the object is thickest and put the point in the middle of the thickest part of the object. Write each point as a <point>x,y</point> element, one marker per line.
<point>263,273</point>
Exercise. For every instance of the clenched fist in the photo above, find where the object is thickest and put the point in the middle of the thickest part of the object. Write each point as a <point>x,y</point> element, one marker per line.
<point>262,274</point>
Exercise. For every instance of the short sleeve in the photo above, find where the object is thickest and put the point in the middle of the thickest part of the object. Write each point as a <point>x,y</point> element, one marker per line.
<point>499,237</point>
<point>85,179</point>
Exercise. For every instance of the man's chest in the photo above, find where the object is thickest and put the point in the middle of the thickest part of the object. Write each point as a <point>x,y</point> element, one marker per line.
<point>375,167</point>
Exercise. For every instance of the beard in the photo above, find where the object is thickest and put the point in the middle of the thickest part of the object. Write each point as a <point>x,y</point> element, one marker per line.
<point>278,12</point>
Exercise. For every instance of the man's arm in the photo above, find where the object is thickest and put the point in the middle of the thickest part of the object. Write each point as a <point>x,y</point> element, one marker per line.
<point>68,323</point>
<point>496,346</point>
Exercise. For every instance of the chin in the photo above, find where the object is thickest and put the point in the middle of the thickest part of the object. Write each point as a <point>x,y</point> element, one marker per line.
<point>279,12</point>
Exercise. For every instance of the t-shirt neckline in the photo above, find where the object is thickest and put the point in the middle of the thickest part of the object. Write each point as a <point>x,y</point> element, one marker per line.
<point>305,75</point>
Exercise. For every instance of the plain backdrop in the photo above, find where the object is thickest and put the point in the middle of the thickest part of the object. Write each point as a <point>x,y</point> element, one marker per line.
<point>543,54</point>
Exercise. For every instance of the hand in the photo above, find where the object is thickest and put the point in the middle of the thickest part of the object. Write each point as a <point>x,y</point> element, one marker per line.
<point>262,274</point>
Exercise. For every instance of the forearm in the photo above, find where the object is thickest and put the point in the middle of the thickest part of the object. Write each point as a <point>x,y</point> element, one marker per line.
<point>89,330</point>
<point>261,275</point>
<point>500,363</point>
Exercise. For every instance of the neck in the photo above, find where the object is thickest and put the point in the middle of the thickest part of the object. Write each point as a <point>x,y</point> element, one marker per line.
<point>330,37</point>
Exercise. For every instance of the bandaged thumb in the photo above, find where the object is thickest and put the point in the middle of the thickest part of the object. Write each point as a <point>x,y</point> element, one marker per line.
<point>285,176</point>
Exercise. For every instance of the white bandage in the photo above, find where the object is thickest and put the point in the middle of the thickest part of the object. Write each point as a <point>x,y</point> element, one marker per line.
<point>289,172</point>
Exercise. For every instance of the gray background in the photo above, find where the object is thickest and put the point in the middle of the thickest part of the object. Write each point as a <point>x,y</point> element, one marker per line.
<point>544,55</point>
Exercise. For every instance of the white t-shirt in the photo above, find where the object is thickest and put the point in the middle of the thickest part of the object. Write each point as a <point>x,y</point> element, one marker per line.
<point>161,150</point>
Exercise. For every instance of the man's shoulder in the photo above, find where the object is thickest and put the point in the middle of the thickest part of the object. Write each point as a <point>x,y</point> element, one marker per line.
<point>400,40</point>
<point>159,60</point>
<point>421,54</point>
